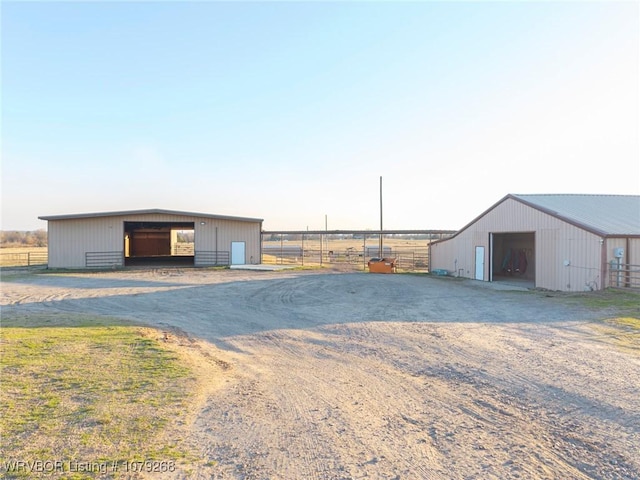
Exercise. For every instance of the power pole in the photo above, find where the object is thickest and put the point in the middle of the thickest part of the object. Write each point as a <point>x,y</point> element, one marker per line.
<point>380,247</point>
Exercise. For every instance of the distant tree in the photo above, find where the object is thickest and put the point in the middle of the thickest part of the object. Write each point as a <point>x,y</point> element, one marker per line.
<point>40,238</point>
<point>186,236</point>
<point>14,238</point>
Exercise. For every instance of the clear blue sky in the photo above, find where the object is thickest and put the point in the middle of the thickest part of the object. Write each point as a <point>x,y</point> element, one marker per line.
<point>290,111</point>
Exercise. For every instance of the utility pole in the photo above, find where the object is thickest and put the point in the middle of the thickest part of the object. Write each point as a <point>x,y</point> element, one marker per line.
<point>326,236</point>
<point>380,246</point>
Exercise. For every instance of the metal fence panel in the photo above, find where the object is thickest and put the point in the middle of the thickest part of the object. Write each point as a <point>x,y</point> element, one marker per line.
<point>206,258</point>
<point>23,259</point>
<point>624,275</point>
<point>406,258</point>
<point>103,259</point>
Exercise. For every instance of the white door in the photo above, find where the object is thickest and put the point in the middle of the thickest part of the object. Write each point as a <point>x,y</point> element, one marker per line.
<point>479,263</point>
<point>237,253</point>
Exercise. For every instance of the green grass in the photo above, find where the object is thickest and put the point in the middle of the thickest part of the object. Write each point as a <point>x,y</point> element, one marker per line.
<point>612,301</point>
<point>90,394</point>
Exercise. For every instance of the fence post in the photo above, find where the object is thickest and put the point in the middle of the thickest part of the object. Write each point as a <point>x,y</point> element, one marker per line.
<point>364,251</point>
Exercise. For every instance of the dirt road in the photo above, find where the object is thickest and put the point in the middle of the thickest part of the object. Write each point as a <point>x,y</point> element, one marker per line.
<point>348,376</point>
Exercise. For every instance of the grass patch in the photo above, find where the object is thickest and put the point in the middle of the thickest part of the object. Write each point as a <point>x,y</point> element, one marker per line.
<point>631,323</point>
<point>619,323</point>
<point>621,332</point>
<point>613,302</point>
<point>94,394</point>
<point>613,297</point>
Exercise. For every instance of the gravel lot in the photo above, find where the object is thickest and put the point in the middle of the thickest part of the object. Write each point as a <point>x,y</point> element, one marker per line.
<point>352,375</point>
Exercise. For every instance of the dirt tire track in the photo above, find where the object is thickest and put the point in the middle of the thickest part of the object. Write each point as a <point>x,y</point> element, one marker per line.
<point>368,376</point>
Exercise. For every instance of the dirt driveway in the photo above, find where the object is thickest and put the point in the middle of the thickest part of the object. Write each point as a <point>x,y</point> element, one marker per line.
<point>349,376</point>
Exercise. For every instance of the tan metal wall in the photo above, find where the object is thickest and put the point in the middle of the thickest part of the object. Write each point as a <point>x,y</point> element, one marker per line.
<point>217,235</point>
<point>631,256</point>
<point>70,239</point>
<point>555,242</point>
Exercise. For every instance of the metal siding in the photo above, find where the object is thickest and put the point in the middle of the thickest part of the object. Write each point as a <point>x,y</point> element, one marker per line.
<point>455,255</point>
<point>227,232</point>
<point>555,241</point>
<point>582,250</point>
<point>155,217</point>
<point>620,242</point>
<point>70,239</point>
<point>634,251</point>
<point>631,253</point>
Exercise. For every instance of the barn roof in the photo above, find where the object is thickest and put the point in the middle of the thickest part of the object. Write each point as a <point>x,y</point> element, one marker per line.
<point>607,215</point>
<point>604,215</point>
<point>146,212</point>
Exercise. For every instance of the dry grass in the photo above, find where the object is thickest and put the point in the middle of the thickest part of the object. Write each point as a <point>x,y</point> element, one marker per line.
<point>25,249</point>
<point>621,332</point>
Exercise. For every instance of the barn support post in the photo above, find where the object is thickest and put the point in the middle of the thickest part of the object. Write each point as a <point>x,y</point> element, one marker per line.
<point>627,254</point>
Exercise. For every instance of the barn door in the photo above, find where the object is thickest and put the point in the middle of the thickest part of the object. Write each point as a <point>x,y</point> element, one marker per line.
<point>237,253</point>
<point>479,263</point>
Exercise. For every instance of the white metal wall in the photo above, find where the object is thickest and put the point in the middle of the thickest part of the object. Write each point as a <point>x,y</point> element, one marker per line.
<point>70,239</point>
<point>556,243</point>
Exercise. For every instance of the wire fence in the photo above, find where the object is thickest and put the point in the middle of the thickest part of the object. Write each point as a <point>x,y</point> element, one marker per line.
<point>350,249</point>
<point>407,258</point>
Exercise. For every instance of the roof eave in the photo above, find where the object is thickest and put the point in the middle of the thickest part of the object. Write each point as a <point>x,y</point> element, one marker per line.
<point>147,212</point>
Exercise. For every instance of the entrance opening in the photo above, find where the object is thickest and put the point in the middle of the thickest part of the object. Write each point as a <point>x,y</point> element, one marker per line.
<point>182,242</point>
<point>158,243</point>
<point>513,257</point>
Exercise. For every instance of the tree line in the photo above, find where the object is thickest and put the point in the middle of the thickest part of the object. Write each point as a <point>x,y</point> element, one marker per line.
<point>14,238</point>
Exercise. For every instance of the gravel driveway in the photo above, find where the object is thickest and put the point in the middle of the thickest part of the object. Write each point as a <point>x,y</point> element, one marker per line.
<point>351,375</point>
